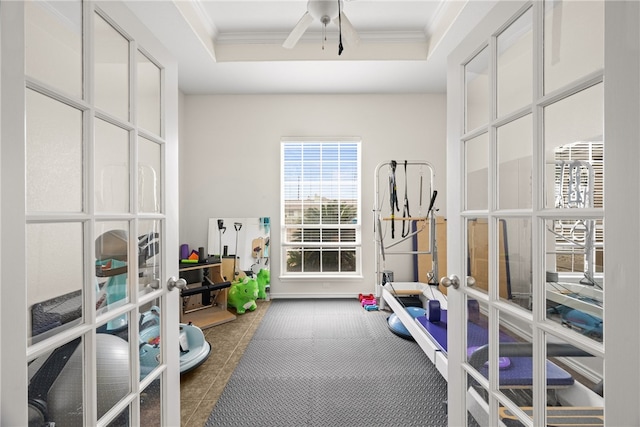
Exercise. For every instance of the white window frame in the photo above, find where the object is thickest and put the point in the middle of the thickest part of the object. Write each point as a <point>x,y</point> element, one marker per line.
<point>287,244</point>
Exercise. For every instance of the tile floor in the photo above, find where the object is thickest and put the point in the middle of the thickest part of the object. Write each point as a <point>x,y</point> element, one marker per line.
<point>201,388</point>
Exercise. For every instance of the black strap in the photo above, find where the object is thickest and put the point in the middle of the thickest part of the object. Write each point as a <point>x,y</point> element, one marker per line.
<point>405,210</point>
<point>432,202</point>
<point>340,48</point>
<point>393,192</point>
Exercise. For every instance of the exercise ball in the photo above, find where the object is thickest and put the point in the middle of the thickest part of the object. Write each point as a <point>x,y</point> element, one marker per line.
<point>396,326</point>
<point>64,400</point>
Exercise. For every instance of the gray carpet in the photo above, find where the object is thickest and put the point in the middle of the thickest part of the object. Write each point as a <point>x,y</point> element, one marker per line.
<point>330,363</point>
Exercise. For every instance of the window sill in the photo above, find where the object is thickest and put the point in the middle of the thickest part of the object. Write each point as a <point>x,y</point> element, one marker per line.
<point>321,277</point>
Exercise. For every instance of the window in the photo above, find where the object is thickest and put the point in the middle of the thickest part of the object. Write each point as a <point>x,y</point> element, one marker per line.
<point>320,202</point>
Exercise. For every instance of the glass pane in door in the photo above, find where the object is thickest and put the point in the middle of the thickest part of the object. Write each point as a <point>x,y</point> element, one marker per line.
<point>149,175</point>
<point>573,129</point>
<point>112,255</point>
<point>477,98</point>
<point>148,94</point>
<point>477,403</point>
<point>150,331</point>
<point>573,41</point>
<point>570,368</point>
<point>579,175</point>
<point>515,65</point>
<point>574,275</point>
<point>477,172</point>
<point>111,165</point>
<point>515,261</point>
<point>111,68</point>
<point>478,250</point>
<point>55,278</point>
<point>54,155</point>
<point>512,417</point>
<point>113,368</point>
<point>122,420</point>
<point>150,411</point>
<point>477,348</point>
<point>53,44</point>
<point>515,150</point>
<point>149,259</point>
<point>56,386</point>
<point>515,359</point>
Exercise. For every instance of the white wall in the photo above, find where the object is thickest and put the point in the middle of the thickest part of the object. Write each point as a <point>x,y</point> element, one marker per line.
<point>230,162</point>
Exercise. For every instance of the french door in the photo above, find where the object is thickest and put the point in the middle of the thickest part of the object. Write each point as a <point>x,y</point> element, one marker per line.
<point>89,219</point>
<point>527,102</point>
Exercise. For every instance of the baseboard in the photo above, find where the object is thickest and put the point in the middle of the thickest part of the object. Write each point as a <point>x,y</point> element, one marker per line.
<point>312,295</point>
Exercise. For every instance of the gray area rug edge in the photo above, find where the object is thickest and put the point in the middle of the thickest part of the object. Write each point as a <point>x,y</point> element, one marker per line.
<point>330,363</point>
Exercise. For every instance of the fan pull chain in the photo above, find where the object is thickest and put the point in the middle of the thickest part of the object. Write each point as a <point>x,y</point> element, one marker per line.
<point>324,35</point>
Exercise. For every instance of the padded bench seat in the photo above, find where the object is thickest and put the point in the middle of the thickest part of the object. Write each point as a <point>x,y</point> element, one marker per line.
<point>519,373</point>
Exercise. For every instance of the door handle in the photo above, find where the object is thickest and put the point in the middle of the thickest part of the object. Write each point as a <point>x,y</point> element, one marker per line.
<point>173,283</point>
<point>454,281</point>
<point>450,281</point>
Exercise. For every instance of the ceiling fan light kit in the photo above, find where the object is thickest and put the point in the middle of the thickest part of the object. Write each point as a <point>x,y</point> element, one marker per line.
<point>324,11</point>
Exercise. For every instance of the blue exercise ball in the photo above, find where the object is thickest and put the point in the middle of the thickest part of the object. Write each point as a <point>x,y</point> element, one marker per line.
<point>396,326</point>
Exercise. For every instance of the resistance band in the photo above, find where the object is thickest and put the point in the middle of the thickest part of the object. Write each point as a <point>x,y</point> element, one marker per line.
<point>405,209</point>
<point>340,48</point>
<point>393,195</point>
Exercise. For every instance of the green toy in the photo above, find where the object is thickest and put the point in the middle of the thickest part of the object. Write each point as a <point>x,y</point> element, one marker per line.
<point>263,278</point>
<point>243,294</point>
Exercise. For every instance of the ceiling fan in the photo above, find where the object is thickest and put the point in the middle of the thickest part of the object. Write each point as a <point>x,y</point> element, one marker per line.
<point>324,11</point>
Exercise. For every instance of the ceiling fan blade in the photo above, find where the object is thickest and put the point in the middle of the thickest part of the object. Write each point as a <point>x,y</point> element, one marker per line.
<point>298,31</point>
<point>349,33</point>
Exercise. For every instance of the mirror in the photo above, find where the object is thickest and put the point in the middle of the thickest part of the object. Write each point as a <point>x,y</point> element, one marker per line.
<point>242,244</point>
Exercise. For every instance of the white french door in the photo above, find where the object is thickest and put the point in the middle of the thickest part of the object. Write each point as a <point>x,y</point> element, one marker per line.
<point>526,144</point>
<point>89,218</point>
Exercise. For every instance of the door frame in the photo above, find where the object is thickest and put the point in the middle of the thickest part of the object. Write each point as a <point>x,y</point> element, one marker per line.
<point>622,211</point>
